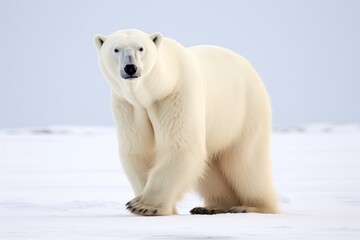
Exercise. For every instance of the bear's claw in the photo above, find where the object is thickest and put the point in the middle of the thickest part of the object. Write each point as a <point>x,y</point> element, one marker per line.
<point>143,211</point>
<point>207,211</point>
<point>136,206</point>
<point>241,209</point>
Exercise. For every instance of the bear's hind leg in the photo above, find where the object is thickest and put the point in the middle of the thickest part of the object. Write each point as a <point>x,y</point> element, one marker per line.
<point>247,168</point>
<point>217,194</point>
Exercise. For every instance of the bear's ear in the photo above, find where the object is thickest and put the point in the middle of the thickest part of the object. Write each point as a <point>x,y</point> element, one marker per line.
<point>156,38</point>
<point>99,40</point>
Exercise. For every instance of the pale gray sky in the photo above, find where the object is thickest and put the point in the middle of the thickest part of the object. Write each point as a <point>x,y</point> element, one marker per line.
<point>307,53</point>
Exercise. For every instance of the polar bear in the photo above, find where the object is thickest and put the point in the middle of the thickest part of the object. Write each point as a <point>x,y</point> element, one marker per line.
<point>188,117</point>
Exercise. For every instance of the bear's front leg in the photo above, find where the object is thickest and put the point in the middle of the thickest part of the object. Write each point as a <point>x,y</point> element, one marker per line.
<point>180,158</point>
<point>167,183</point>
<point>136,142</point>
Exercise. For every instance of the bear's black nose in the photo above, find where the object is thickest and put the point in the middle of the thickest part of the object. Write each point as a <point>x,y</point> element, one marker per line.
<point>130,69</point>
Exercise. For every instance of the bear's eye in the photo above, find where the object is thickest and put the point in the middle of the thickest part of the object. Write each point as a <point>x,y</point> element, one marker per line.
<point>141,49</point>
<point>116,50</point>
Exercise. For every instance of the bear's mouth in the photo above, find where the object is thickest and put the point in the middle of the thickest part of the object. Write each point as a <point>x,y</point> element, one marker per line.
<point>130,77</point>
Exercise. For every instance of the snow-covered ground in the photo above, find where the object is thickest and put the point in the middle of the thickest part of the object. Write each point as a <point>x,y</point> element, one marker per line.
<point>67,183</point>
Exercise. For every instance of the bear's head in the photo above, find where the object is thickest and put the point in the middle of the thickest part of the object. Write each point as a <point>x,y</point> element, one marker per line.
<point>128,54</point>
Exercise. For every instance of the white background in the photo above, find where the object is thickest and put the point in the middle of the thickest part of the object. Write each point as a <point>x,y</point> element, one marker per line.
<point>67,183</point>
<point>307,53</point>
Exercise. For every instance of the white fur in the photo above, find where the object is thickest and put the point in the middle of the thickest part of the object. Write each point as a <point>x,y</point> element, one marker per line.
<point>196,116</point>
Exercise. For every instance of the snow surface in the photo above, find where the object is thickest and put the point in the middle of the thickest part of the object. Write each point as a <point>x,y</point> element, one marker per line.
<point>67,183</point>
